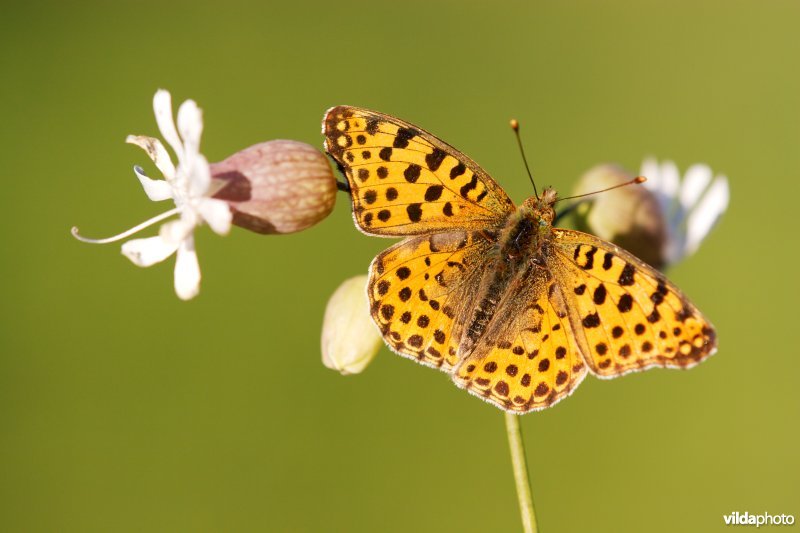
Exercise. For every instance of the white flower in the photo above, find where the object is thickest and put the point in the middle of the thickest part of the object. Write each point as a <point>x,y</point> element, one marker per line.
<point>188,185</point>
<point>690,206</point>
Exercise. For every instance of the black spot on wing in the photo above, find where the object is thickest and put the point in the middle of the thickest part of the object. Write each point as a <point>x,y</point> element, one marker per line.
<point>433,193</point>
<point>414,212</point>
<point>626,276</point>
<point>599,294</point>
<point>412,172</point>
<point>625,303</point>
<point>473,183</point>
<point>591,321</point>
<point>403,136</point>
<point>457,170</point>
<point>372,126</point>
<point>590,258</point>
<point>607,258</point>
<point>435,158</point>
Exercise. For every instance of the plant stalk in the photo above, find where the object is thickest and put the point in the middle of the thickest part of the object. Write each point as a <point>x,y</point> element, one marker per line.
<point>520,466</point>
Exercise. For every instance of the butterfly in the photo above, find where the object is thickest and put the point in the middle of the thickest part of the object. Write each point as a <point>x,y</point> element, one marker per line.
<point>515,310</point>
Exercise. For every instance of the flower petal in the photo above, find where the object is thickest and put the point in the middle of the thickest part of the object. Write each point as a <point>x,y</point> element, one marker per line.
<point>652,172</point>
<point>670,179</point>
<point>694,183</point>
<point>217,214</point>
<point>692,205</point>
<point>162,106</point>
<point>148,252</point>
<point>199,176</point>
<point>708,211</point>
<point>187,270</point>
<point>190,126</point>
<point>176,231</point>
<point>663,181</point>
<point>156,190</point>
<point>156,151</point>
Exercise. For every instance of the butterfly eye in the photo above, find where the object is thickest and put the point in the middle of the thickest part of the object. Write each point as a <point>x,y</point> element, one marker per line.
<point>542,222</point>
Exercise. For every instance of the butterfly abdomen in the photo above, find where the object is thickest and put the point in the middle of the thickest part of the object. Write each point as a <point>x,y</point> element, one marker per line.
<point>491,291</point>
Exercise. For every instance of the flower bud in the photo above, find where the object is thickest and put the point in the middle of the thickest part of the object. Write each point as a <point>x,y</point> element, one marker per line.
<point>276,186</point>
<point>630,217</point>
<point>350,339</point>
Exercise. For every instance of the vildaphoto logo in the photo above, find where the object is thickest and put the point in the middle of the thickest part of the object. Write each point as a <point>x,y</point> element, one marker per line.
<point>765,519</point>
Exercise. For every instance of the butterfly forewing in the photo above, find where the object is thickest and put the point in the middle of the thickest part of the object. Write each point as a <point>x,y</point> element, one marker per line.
<point>628,316</point>
<point>405,181</point>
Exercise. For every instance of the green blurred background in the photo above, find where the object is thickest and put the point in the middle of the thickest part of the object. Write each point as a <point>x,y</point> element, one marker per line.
<point>125,409</point>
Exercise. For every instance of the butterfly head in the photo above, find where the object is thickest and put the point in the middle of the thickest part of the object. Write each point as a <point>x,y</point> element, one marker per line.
<point>541,209</point>
<point>529,227</point>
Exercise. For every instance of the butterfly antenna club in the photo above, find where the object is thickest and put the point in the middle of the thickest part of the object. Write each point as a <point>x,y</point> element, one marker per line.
<point>515,126</point>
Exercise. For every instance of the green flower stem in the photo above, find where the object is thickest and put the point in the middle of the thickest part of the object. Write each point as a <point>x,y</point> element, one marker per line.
<point>521,478</point>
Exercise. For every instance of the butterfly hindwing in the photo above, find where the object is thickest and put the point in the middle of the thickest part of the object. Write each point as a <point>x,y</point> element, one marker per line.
<point>405,181</point>
<point>628,315</point>
<point>418,287</point>
<point>528,358</point>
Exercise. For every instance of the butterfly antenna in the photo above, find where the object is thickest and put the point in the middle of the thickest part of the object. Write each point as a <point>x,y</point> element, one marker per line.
<point>636,180</point>
<point>515,127</point>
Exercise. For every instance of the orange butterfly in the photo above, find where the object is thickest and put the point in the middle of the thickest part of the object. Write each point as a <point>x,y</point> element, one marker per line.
<point>515,310</point>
